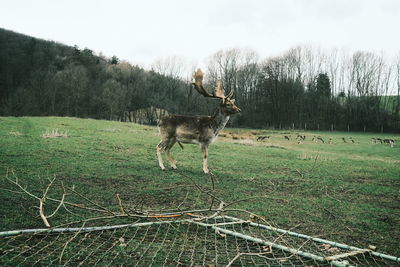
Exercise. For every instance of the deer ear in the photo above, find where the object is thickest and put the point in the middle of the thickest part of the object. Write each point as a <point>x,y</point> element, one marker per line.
<point>233,101</point>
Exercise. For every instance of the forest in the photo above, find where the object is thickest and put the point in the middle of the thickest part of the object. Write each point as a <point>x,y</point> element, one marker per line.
<point>303,88</point>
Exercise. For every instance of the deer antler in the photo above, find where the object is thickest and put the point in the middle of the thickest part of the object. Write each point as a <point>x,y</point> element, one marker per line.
<point>230,95</point>
<point>219,91</point>
<point>198,83</point>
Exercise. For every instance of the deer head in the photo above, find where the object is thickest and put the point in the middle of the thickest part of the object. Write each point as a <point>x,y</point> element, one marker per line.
<point>227,105</point>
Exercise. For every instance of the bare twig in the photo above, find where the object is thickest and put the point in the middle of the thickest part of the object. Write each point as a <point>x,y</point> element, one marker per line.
<point>121,208</point>
<point>18,185</point>
<point>69,241</point>
<point>211,175</point>
<point>201,189</point>
<point>60,204</point>
<point>91,202</point>
<point>303,173</point>
<point>326,193</point>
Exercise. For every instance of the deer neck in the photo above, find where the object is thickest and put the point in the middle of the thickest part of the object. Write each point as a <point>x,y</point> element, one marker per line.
<point>219,120</point>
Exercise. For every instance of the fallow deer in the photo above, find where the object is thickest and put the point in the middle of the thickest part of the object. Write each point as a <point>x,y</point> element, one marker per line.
<point>202,130</point>
<point>263,137</point>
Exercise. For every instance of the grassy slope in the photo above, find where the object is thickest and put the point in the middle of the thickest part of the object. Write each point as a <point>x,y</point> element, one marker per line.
<point>343,192</point>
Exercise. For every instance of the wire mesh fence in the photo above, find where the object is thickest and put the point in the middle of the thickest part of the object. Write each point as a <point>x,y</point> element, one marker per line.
<point>213,241</point>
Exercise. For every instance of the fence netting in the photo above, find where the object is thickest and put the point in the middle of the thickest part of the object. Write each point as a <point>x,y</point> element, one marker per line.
<point>216,241</point>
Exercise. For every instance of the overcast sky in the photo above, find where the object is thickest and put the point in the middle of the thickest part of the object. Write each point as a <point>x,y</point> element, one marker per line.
<point>143,31</point>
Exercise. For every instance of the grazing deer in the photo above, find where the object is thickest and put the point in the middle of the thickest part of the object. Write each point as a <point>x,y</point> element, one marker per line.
<point>389,142</point>
<point>263,137</point>
<point>202,130</point>
<point>300,138</point>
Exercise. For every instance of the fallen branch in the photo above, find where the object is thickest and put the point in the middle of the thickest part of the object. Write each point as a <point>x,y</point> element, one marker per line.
<point>41,213</point>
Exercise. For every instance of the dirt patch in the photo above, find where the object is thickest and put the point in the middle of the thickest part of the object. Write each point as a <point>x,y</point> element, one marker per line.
<point>246,142</point>
<point>55,134</point>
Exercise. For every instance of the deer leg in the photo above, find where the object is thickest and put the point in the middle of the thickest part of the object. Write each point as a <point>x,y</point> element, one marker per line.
<point>204,149</point>
<point>160,148</point>
<point>169,158</point>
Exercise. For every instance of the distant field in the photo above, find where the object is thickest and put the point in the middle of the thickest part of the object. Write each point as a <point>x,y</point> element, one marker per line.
<point>346,192</point>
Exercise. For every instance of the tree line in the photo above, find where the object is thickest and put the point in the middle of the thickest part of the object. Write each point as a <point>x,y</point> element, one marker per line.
<point>304,88</point>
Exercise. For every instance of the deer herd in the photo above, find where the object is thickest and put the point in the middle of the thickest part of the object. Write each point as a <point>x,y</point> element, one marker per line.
<point>300,138</point>
<point>203,130</point>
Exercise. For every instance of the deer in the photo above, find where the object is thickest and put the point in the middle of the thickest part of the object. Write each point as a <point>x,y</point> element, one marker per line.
<point>263,137</point>
<point>201,130</point>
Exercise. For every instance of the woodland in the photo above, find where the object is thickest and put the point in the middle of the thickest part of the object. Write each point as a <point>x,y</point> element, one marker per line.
<point>303,88</point>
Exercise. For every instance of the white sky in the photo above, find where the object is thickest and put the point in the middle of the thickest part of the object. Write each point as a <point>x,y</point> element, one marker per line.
<point>143,31</point>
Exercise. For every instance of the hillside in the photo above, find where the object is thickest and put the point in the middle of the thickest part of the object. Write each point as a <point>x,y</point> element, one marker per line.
<point>46,78</point>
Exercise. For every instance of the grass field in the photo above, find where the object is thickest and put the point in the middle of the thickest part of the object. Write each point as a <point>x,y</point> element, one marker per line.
<point>346,192</point>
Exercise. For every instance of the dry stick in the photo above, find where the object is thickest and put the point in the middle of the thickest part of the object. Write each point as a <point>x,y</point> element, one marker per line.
<point>177,186</point>
<point>234,259</point>
<point>41,213</point>
<point>315,163</point>
<point>49,198</point>
<point>90,201</point>
<point>326,193</point>
<point>283,234</point>
<point>270,249</point>
<point>211,175</point>
<point>48,187</point>
<point>219,210</point>
<point>280,237</point>
<point>155,216</point>
<point>199,187</point>
<point>73,213</point>
<point>23,189</point>
<point>41,200</point>
<point>160,215</point>
<point>120,205</point>
<point>309,171</point>
<point>183,201</point>
<point>11,191</point>
<point>66,243</point>
<point>90,219</point>
<point>41,203</point>
<point>61,203</point>
<point>80,206</point>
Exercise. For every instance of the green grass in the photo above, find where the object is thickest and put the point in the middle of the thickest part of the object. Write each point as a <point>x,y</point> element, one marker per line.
<point>343,192</point>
